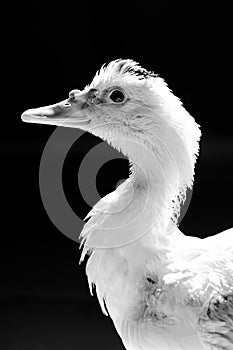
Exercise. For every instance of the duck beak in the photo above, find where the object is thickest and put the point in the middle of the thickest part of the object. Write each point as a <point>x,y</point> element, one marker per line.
<point>72,112</point>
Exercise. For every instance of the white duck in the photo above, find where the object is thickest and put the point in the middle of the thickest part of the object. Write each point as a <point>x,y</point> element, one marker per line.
<point>162,289</point>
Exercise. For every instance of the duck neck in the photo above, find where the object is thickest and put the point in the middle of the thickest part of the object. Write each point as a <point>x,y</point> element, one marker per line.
<point>163,168</point>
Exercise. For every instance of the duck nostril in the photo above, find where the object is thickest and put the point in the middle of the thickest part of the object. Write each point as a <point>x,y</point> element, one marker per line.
<point>66,105</point>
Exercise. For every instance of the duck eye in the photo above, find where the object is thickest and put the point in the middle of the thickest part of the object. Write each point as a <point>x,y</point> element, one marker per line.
<point>117,96</point>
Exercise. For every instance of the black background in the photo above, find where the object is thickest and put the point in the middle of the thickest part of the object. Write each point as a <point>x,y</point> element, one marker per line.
<point>49,49</point>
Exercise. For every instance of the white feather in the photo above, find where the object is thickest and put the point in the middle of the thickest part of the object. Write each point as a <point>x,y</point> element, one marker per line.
<point>186,271</point>
<point>163,290</point>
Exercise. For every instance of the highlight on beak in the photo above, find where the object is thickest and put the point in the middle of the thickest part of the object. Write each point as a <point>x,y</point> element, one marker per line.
<point>71,113</point>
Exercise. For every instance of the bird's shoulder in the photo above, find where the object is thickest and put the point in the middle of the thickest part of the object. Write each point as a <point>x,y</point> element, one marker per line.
<point>199,267</point>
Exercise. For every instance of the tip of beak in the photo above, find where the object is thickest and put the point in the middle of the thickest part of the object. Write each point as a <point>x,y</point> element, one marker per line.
<point>37,113</point>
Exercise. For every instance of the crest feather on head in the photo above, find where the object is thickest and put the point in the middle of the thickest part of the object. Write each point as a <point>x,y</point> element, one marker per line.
<point>121,69</point>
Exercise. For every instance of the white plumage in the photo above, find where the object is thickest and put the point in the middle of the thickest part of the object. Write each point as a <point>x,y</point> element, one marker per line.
<point>162,289</point>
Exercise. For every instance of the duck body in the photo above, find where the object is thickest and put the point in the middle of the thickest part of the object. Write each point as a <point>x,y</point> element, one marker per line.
<point>157,288</point>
